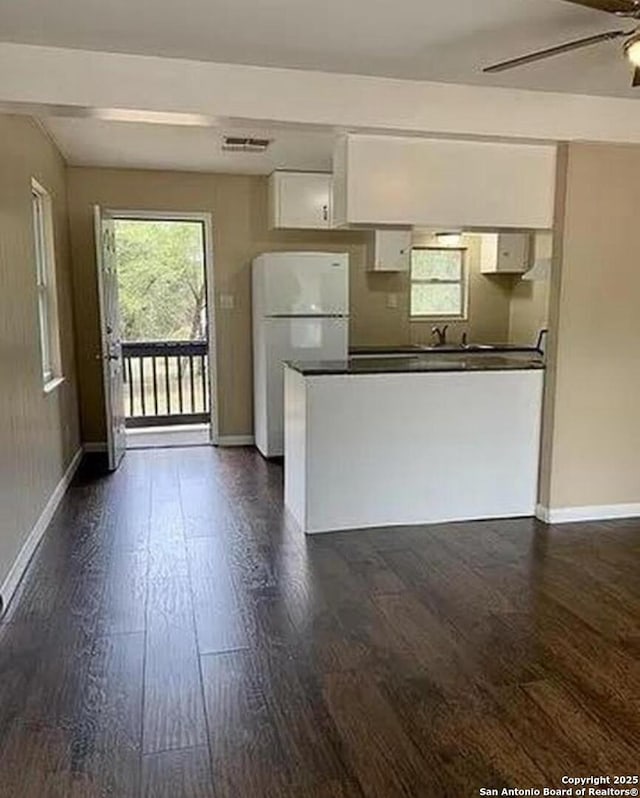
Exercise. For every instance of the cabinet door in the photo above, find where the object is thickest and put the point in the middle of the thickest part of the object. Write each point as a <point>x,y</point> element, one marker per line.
<point>443,184</point>
<point>513,253</point>
<point>392,251</point>
<point>505,253</point>
<point>302,200</point>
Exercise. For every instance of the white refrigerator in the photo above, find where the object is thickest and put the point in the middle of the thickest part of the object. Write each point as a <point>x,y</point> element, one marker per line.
<point>300,312</point>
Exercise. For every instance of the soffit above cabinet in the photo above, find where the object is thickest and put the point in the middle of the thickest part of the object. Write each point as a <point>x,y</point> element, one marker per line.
<point>381,180</point>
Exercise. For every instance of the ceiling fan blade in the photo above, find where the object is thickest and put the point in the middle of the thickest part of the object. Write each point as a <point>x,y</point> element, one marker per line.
<point>623,8</point>
<point>539,55</point>
<point>636,78</point>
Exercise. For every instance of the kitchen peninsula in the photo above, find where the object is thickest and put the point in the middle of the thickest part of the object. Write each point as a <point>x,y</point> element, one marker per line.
<point>424,438</point>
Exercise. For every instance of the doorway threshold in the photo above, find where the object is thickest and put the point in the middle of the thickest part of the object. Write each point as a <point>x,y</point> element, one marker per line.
<point>167,437</point>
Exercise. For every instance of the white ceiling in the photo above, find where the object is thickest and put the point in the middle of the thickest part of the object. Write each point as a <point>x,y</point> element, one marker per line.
<point>417,39</point>
<point>92,142</point>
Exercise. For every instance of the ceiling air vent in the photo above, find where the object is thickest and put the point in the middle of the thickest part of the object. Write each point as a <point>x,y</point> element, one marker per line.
<point>244,144</point>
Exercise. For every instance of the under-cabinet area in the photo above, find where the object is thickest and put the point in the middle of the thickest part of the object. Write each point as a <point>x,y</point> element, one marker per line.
<point>452,289</point>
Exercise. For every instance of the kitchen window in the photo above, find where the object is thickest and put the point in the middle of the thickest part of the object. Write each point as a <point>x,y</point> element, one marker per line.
<point>438,283</point>
<point>46,285</point>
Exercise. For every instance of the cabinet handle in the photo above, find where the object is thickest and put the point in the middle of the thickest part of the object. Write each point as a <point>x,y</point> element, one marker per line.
<point>325,213</point>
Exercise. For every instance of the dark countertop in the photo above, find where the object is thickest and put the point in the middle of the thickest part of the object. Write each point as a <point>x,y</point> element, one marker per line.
<point>413,349</point>
<point>420,362</point>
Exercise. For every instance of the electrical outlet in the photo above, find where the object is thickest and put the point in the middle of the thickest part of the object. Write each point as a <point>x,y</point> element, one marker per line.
<point>227,301</point>
<point>392,301</point>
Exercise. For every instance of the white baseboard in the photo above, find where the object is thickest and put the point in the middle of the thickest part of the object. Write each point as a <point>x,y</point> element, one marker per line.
<point>235,440</point>
<point>95,446</point>
<point>597,512</point>
<point>26,552</point>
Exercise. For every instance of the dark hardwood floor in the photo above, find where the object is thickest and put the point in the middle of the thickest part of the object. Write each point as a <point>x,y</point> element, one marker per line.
<point>176,637</point>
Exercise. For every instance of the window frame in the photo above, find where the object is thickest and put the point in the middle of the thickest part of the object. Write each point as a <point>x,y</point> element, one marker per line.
<point>463,282</point>
<point>46,286</point>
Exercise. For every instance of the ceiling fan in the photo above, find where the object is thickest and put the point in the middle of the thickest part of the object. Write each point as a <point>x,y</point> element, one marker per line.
<point>623,9</point>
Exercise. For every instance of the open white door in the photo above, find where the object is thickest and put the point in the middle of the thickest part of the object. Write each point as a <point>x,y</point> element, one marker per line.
<point>111,350</point>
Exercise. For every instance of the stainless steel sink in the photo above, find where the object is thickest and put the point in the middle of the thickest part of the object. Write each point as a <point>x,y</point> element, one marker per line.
<point>455,348</point>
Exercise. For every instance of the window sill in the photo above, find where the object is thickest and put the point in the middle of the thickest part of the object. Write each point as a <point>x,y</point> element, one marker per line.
<point>51,385</point>
<point>445,319</point>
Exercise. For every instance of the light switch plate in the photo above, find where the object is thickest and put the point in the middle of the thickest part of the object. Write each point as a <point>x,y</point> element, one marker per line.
<point>227,301</point>
<point>392,301</point>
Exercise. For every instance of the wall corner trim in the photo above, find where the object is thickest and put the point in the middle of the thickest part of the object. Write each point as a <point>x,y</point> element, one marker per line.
<point>234,440</point>
<point>542,513</point>
<point>596,512</point>
<point>35,536</point>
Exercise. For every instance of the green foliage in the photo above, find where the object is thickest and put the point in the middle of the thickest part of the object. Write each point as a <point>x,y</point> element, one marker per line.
<point>161,280</point>
<point>437,278</point>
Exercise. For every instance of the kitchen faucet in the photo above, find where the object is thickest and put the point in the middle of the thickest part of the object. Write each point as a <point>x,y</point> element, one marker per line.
<point>441,334</point>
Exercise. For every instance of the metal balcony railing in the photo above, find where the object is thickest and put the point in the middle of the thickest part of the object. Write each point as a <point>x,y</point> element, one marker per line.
<point>166,382</point>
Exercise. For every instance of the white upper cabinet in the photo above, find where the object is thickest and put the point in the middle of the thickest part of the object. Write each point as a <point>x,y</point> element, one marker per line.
<point>300,200</point>
<point>505,253</point>
<point>391,251</point>
<point>444,184</point>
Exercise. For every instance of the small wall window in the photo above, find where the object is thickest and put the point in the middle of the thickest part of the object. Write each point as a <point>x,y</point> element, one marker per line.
<point>438,283</point>
<point>46,284</point>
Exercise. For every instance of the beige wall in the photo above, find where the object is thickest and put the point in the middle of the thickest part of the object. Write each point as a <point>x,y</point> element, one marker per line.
<point>38,432</point>
<point>238,205</point>
<point>591,446</point>
<point>528,310</point>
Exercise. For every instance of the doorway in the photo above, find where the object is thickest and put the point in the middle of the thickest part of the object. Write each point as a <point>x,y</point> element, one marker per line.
<point>164,276</point>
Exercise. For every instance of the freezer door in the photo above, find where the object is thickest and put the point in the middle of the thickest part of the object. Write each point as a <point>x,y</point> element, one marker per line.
<point>301,284</point>
<point>291,339</point>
